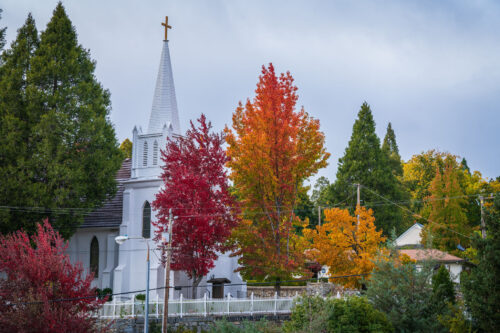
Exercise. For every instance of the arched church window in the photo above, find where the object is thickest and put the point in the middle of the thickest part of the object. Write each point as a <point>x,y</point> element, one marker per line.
<point>146,220</point>
<point>145,154</point>
<point>94,257</point>
<point>155,153</point>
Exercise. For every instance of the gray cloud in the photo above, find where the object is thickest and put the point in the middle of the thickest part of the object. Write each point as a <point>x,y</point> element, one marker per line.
<point>431,68</point>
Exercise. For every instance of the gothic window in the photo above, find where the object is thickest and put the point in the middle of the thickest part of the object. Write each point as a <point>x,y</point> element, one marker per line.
<point>155,153</point>
<point>94,257</point>
<point>146,220</point>
<point>145,154</point>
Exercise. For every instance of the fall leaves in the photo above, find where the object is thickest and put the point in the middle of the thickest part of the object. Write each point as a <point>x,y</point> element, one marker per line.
<point>272,148</point>
<point>346,244</point>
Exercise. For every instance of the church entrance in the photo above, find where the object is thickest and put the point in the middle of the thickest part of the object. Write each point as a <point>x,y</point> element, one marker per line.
<point>218,286</point>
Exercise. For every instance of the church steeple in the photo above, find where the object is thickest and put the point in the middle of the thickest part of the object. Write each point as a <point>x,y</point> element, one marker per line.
<point>164,109</point>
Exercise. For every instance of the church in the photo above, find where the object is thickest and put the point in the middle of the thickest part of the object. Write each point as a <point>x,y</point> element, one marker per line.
<point>123,267</point>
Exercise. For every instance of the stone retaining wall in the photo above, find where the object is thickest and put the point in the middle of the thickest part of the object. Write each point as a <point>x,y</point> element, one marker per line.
<point>199,324</point>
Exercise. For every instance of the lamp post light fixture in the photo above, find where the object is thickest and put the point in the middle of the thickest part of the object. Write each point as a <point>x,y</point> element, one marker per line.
<point>122,239</point>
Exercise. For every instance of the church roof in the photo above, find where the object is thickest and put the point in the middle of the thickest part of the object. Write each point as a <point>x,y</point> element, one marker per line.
<point>110,214</point>
<point>164,109</point>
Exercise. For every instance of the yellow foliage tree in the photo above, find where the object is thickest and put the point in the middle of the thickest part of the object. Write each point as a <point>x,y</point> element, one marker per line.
<point>344,245</point>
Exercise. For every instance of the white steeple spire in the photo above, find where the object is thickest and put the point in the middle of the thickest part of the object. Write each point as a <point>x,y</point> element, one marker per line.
<point>164,109</point>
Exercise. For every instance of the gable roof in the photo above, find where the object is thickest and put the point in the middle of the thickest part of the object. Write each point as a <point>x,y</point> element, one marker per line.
<point>439,256</point>
<point>110,214</point>
<point>417,227</point>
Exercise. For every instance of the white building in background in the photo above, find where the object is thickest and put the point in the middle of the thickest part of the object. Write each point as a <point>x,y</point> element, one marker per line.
<point>123,268</point>
<point>410,244</point>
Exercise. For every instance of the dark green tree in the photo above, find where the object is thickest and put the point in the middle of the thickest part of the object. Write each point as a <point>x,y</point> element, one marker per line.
<point>305,207</point>
<point>2,35</point>
<point>442,289</point>
<point>404,294</point>
<point>16,123</point>
<point>365,163</point>
<point>69,155</point>
<point>482,286</point>
<point>390,148</point>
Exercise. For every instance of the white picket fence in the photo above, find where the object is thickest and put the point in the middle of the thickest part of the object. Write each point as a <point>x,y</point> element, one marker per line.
<point>198,307</point>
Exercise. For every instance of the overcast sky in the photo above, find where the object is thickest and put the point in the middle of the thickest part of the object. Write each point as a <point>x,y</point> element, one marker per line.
<point>432,68</point>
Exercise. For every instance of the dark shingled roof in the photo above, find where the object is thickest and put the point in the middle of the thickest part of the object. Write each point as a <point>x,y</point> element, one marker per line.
<point>110,215</point>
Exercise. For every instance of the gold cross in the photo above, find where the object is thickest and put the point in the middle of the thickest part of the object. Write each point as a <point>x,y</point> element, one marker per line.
<point>166,26</point>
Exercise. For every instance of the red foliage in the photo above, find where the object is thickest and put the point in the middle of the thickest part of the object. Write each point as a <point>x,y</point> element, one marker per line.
<point>36,275</point>
<point>196,188</point>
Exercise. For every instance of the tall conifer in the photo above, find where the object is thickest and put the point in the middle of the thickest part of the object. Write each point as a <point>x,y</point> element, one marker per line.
<point>365,163</point>
<point>390,148</point>
<point>2,35</point>
<point>16,123</point>
<point>481,287</point>
<point>71,151</point>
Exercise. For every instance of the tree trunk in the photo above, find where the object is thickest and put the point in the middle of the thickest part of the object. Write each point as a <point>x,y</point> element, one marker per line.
<point>277,286</point>
<point>196,282</point>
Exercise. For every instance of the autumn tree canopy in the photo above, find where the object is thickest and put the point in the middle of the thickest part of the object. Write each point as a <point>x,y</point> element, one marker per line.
<point>273,148</point>
<point>445,206</point>
<point>196,189</point>
<point>38,277</point>
<point>344,245</point>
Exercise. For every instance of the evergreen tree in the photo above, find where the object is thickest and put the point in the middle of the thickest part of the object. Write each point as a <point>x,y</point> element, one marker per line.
<point>16,123</point>
<point>442,289</point>
<point>404,294</point>
<point>390,148</point>
<point>365,163</point>
<point>68,154</point>
<point>2,35</point>
<point>482,286</point>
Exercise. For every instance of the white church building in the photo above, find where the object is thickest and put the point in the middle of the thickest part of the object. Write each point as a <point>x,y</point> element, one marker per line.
<point>123,267</point>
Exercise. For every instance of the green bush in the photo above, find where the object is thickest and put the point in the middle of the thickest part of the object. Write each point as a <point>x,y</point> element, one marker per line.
<point>355,314</point>
<point>140,297</point>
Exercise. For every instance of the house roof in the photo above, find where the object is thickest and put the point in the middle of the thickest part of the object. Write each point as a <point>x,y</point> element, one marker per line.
<point>110,214</point>
<point>425,254</point>
<point>416,226</point>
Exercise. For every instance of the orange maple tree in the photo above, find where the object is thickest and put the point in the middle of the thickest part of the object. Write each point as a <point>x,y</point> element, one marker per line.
<point>344,245</point>
<point>273,148</point>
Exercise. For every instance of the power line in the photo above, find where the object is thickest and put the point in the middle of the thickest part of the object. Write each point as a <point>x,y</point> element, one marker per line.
<point>180,287</point>
<point>415,214</point>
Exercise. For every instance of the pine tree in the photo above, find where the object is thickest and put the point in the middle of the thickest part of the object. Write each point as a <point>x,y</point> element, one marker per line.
<point>443,290</point>
<point>16,123</point>
<point>390,148</point>
<point>2,36</point>
<point>365,163</point>
<point>67,155</point>
<point>481,287</point>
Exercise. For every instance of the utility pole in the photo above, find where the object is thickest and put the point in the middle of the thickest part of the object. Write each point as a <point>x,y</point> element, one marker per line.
<point>319,216</point>
<point>358,203</point>
<point>167,272</point>
<point>483,225</point>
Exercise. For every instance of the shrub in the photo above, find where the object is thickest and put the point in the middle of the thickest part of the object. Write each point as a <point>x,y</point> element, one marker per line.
<point>355,314</point>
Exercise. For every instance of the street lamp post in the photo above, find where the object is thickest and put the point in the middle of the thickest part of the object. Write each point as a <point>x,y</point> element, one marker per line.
<point>120,240</point>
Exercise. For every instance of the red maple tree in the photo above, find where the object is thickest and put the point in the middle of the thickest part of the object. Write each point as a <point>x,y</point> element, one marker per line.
<point>40,290</point>
<point>196,189</point>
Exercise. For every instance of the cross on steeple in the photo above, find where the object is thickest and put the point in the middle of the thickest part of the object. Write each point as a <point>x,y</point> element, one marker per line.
<point>166,26</point>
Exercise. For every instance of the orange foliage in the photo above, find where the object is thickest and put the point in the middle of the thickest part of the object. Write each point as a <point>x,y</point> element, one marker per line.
<point>346,247</point>
<point>273,148</point>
